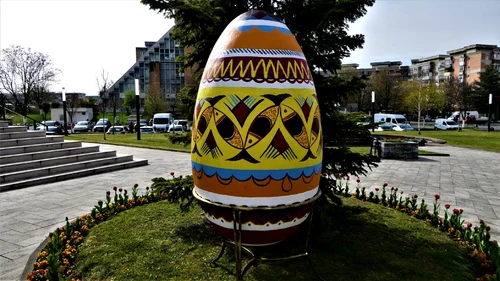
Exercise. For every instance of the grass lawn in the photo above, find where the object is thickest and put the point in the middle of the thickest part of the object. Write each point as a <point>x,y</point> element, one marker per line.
<point>466,138</point>
<point>158,242</point>
<point>18,119</point>
<point>157,141</point>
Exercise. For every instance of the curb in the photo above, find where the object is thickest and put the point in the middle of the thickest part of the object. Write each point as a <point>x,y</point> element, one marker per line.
<point>28,268</point>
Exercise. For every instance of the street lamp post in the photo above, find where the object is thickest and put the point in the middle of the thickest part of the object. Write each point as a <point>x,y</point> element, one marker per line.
<point>64,111</point>
<point>137,110</point>
<point>373,110</point>
<point>104,123</point>
<point>490,101</point>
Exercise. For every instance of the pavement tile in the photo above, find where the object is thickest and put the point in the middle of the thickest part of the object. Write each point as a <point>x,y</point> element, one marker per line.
<point>6,247</point>
<point>21,226</point>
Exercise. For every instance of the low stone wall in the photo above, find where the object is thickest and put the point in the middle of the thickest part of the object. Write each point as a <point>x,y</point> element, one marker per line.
<point>399,150</point>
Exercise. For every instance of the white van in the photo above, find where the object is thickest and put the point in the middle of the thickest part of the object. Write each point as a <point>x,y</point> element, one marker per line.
<point>456,116</point>
<point>400,122</point>
<point>161,121</point>
<point>445,124</point>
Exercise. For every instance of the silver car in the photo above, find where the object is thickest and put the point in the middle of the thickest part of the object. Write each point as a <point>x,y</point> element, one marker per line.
<point>82,126</point>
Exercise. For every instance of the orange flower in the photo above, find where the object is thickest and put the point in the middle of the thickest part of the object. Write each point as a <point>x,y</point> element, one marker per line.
<point>85,229</point>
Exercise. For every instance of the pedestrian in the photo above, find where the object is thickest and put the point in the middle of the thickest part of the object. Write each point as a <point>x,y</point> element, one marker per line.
<point>131,127</point>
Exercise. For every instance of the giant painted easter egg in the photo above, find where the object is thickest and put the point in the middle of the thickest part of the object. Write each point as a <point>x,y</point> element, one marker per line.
<point>256,137</point>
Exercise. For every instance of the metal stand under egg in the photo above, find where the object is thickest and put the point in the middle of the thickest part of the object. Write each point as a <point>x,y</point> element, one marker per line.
<point>239,248</point>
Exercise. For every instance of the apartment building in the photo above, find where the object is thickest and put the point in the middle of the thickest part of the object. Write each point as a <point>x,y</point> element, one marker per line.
<point>393,67</point>
<point>435,69</point>
<point>470,61</point>
<point>156,68</point>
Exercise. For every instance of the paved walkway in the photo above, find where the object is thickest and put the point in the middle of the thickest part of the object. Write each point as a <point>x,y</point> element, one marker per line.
<point>469,179</point>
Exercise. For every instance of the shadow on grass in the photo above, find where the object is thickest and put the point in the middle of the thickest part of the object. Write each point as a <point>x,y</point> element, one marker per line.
<point>360,242</point>
<point>361,246</point>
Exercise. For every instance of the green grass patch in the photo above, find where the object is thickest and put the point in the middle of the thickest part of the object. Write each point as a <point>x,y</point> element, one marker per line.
<point>18,119</point>
<point>158,242</point>
<point>157,141</point>
<point>470,138</point>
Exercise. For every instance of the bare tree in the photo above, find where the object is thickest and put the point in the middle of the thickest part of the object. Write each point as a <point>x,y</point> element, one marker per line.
<point>72,103</point>
<point>41,95</point>
<point>104,83</point>
<point>22,71</point>
<point>386,85</point>
<point>458,96</point>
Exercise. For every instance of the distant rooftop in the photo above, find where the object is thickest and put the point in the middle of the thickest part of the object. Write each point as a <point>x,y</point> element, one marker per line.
<point>470,47</point>
<point>429,58</point>
<point>386,63</point>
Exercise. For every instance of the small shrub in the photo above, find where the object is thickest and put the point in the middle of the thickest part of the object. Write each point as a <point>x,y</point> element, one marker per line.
<point>184,138</point>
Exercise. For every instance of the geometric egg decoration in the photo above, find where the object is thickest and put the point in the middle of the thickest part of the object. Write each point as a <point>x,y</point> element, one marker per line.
<point>257,138</point>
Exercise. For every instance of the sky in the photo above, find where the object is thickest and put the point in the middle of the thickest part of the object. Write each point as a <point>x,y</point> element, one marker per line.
<point>85,37</point>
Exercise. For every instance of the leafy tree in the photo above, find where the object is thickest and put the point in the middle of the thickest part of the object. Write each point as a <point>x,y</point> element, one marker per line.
<point>129,100</point>
<point>22,72</point>
<point>489,83</point>
<point>423,97</point>
<point>155,102</point>
<point>320,28</point>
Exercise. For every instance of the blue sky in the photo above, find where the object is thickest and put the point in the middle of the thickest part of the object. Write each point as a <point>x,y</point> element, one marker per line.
<point>408,29</point>
<point>82,37</point>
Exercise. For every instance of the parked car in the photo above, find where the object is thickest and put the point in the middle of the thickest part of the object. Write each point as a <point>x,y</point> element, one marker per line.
<point>52,130</point>
<point>82,126</point>
<point>102,124</point>
<point>428,118</point>
<point>183,123</point>
<point>403,127</point>
<point>147,130</point>
<point>118,130</point>
<point>177,129</point>
<point>51,123</point>
<point>385,127</point>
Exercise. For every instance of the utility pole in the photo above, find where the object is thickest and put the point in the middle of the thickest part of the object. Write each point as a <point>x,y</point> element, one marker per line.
<point>373,111</point>
<point>419,102</point>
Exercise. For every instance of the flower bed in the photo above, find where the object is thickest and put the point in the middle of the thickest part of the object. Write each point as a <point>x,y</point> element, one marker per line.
<point>56,259</point>
<point>477,239</point>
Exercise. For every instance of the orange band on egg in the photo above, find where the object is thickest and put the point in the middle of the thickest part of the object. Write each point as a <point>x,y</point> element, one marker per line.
<point>256,39</point>
<point>255,188</point>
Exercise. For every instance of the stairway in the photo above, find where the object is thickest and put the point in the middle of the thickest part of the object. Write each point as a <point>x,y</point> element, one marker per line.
<point>30,158</point>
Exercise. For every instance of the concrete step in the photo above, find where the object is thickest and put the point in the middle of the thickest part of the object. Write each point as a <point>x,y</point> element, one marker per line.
<point>38,147</point>
<point>72,175</point>
<point>13,129</point>
<point>15,158</point>
<point>30,141</point>
<point>4,123</point>
<point>60,169</point>
<point>36,164</point>
<point>22,135</point>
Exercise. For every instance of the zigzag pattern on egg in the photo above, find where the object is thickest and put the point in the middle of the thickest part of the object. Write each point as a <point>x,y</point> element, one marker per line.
<point>259,70</point>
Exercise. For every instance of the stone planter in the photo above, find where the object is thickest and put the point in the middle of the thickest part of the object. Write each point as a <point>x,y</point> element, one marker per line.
<point>399,150</point>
